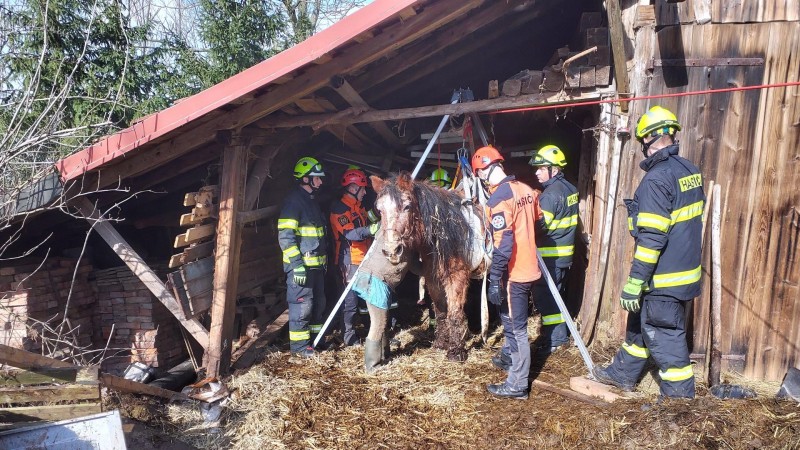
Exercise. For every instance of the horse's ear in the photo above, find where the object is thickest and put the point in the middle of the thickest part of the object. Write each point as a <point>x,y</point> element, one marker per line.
<point>377,182</point>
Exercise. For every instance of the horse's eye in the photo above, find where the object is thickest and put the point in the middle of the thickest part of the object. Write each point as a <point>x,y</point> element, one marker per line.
<point>407,208</point>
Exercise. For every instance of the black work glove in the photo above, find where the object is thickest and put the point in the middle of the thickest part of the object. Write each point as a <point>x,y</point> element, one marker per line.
<point>497,292</point>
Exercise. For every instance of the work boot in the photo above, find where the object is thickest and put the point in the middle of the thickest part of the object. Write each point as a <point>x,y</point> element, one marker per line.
<point>372,355</point>
<point>601,375</point>
<point>394,342</point>
<point>502,360</point>
<point>503,390</point>
<point>306,353</point>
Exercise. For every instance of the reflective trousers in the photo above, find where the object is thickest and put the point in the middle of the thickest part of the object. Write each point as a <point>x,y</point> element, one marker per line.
<point>306,307</point>
<point>657,330</point>
<point>514,316</point>
<point>554,331</point>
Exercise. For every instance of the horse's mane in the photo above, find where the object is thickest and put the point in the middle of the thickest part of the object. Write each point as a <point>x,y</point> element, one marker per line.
<point>445,231</point>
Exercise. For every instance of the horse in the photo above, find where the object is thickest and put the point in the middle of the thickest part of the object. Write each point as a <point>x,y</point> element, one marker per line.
<point>445,233</point>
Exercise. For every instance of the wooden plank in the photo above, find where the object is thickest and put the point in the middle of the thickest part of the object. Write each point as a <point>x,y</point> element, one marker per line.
<point>587,77</point>
<point>569,394</point>
<point>197,283</point>
<point>70,392</point>
<point>523,101</point>
<point>494,91</point>
<point>198,250</point>
<point>49,413</point>
<point>645,16</point>
<point>351,96</point>
<point>226,268</point>
<point>592,388</point>
<point>30,361</point>
<point>618,49</point>
<point>258,214</point>
<point>132,387</point>
<point>194,234</point>
<point>139,268</point>
<point>49,375</point>
<point>176,282</point>
<point>245,354</point>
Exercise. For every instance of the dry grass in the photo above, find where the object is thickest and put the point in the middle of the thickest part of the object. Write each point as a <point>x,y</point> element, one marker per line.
<point>420,400</point>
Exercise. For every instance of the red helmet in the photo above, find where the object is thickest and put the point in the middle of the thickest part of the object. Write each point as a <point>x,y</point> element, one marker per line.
<point>485,157</point>
<point>354,176</point>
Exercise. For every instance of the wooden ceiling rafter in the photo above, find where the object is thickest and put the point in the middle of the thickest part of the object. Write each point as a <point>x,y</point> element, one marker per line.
<point>352,97</point>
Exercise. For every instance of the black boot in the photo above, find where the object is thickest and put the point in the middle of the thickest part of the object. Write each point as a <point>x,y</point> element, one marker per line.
<point>601,374</point>
<point>372,355</point>
<point>502,360</point>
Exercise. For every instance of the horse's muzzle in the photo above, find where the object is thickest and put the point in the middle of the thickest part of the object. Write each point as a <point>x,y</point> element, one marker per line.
<point>393,255</point>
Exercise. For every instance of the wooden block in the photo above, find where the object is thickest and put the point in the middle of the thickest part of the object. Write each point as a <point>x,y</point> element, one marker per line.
<point>587,77</point>
<point>602,75</point>
<point>645,15</point>
<point>553,80</point>
<point>70,392</point>
<point>195,234</point>
<point>596,36</point>
<point>175,260</point>
<point>532,82</point>
<point>494,90</point>
<point>590,20</point>
<point>573,77</point>
<point>512,88</point>
<point>52,413</point>
<point>123,385</point>
<point>593,388</point>
<point>602,57</point>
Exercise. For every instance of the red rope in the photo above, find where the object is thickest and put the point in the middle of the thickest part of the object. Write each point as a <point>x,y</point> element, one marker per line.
<point>647,97</point>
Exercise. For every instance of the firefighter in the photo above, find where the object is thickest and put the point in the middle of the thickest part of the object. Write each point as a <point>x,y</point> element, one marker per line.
<point>665,219</point>
<point>555,238</point>
<point>352,232</point>
<point>512,209</point>
<point>301,235</point>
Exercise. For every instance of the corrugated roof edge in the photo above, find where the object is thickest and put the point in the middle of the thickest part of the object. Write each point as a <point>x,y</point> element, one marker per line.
<point>191,108</point>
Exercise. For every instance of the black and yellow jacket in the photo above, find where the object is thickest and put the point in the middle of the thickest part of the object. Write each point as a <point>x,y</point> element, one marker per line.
<point>556,229</point>
<point>301,231</point>
<point>666,218</point>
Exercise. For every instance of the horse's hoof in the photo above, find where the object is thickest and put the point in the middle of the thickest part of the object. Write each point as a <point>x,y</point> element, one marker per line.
<point>457,355</point>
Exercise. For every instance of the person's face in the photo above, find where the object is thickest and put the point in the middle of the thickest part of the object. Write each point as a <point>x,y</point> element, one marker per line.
<point>542,173</point>
<point>358,191</point>
<point>316,182</point>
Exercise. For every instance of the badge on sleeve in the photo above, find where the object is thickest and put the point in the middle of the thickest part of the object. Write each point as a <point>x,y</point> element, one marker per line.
<point>343,220</point>
<point>498,221</point>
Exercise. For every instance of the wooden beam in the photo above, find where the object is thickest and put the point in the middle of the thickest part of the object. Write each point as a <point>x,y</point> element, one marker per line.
<point>257,214</point>
<point>569,394</point>
<point>226,268</point>
<point>523,101</point>
<point>70,392</point>
<point>617,33</point>
<point>71,374</point>
<point>245,355</point>
<point>22,359</point>
<point>50,413</point>
<point>351,96</point>
<point>139,268</point>
<point>132,387</point>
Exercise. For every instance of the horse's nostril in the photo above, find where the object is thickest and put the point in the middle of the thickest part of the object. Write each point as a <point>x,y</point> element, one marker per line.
<point>398,250</point>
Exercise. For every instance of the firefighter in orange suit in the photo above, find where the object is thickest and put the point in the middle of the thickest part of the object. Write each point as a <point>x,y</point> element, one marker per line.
<point>513,208</point>
<point>353,234</point>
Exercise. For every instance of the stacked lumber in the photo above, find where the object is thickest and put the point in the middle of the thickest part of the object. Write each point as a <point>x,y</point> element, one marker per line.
<point>561,72</point>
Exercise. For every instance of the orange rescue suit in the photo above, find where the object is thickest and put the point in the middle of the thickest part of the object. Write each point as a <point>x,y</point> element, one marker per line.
<point>350,230</point>
<point>513,209</point>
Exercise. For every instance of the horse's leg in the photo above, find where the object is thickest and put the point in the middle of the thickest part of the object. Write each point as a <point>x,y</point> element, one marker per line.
<point>456,286</point>
<point>373,344</point>
<point>441,333</point>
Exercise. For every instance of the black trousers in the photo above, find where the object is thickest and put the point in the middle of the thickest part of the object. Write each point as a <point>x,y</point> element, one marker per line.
<point>306,307</point>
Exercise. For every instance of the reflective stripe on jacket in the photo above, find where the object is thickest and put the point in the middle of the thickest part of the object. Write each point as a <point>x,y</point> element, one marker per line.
<point>513,209</point>
<point>556,234</point>
<point>301,231</point>
<point>350,229</point>
<point>666,216</point>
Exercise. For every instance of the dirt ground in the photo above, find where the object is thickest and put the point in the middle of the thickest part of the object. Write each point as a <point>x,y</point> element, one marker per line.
<point>421,400</point>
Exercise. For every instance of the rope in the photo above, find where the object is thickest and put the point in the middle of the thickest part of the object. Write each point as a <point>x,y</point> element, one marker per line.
<point>647,97</point>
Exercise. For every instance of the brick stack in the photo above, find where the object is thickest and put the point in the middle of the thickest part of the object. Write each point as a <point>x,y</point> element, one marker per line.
<point>30,291</point>
<point>141,323</point>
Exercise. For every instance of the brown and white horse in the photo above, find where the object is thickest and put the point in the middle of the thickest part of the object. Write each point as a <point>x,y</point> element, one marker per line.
<point>418,218</point>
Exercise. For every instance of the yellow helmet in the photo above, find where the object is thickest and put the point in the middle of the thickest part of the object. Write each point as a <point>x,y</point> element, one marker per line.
<point>440,177</point>
<point>657,121</point>
<point>549,155</point>
<point>308,167</point>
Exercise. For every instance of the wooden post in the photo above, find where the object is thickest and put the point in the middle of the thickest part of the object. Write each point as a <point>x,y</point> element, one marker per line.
<point>716,290</point>
<point>618,49</point>
<point>139,267</point>
<point>226,267</point>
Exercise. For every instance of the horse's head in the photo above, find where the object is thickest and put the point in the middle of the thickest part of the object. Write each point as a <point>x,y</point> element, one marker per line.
<point>396,203</point>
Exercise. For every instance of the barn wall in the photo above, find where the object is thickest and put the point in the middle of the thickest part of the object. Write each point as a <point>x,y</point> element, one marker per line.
<point>726,11</point>
<point>748,142</point>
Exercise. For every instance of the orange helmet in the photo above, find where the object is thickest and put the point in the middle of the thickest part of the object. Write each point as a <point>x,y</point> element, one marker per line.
<point>485,157</point>
<point>354,176</point>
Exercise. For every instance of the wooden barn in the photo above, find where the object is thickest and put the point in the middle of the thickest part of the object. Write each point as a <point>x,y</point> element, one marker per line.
<point>185,261</point>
